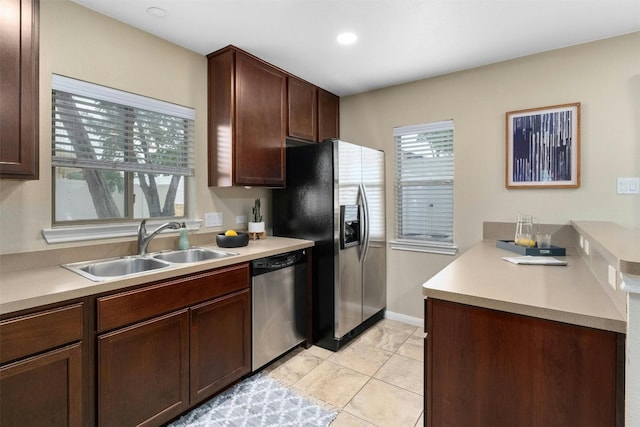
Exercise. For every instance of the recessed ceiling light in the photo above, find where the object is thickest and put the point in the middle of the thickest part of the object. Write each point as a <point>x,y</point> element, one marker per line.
<point>158,12</point>
<point>347,38</point>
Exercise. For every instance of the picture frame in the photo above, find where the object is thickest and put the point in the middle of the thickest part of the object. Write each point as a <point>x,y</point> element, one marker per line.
<point>543,147</point>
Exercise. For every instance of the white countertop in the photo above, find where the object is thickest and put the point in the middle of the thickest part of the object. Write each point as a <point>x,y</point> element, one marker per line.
<point>21,290</point>
<point>569,294</point>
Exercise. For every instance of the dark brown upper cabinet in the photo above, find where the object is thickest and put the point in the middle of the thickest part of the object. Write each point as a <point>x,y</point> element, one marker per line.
<point>253,108</point>
<point>328,115</point>
<point>19,40</point>
<point>313,112</point>
<point>247,127</point>
<point>303,110</point>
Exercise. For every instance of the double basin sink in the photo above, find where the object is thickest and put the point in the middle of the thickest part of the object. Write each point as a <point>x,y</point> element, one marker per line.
<point>127,266</point>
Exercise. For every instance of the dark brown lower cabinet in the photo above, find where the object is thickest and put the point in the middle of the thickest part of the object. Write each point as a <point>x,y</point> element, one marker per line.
<point>165,347</point>
<point>490,368</point>
<point>143,372</point>
<point>144,355</point>
<point>220,350</point>
<point>43,372</point>
<point>43,390</point>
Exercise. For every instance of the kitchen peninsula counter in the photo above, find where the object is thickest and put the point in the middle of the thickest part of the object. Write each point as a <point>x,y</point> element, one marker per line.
<point>569,294</point>
<point>30,288</point>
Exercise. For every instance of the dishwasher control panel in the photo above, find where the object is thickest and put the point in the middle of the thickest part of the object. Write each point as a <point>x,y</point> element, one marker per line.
<point>279,261</point>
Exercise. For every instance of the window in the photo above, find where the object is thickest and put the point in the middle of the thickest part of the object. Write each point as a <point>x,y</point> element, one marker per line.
<point>116,155</point>
<point>424,187</point>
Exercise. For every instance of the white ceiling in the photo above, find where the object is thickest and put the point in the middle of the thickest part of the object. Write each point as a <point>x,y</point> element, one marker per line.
<point>398,40</point>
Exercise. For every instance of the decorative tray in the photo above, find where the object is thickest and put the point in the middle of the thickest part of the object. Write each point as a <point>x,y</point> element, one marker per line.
<point>534,251</point>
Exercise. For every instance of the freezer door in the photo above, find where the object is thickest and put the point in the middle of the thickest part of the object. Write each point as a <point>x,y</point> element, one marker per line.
<point>348,283</point>
<point>374,293</point>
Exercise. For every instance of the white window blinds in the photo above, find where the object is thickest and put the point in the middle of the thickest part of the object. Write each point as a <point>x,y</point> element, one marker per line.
<point>424,185</point>
<point>103,128</point>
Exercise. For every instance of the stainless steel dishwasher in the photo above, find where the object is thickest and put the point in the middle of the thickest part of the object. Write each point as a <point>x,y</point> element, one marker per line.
<point>278,296</point>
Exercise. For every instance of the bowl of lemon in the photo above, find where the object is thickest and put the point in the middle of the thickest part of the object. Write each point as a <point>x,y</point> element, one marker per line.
<point>232,239</point>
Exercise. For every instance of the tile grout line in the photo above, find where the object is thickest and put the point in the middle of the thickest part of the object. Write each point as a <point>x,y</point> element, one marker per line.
<point>372,376</point>
<point>385,329</point>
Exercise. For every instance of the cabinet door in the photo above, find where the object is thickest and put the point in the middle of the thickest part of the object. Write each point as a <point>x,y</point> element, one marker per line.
<point>220,344</point>
<point>44,390</point>
<point>19,24</point>
<point>303,110</point>
<point>260,128</point>
<point>328,115</point>
<point>143,372</point>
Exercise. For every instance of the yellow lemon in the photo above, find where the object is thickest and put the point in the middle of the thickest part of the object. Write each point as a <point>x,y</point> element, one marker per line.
<point>525,242</point>
<point>230,233</point>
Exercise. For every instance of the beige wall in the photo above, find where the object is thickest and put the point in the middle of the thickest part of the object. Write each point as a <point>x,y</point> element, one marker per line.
<point>79,43</point>
<point>603,76</point>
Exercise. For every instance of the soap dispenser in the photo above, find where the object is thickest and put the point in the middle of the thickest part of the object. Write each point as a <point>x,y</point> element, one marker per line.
<point>183,243</point>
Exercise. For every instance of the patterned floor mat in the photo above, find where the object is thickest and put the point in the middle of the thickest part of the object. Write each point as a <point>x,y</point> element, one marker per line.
<point>258,401</point>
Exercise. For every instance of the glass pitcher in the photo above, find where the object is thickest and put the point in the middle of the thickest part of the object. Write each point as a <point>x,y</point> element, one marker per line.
<point>525,231</point>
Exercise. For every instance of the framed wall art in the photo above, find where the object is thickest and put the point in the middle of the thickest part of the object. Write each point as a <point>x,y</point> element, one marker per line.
<point>543,147</point>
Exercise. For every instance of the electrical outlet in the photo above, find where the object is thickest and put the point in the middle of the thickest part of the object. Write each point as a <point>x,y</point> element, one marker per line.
<point>586,246</point>
<point>241,219</point>
<point>612,277</point>
<point>213,219</point>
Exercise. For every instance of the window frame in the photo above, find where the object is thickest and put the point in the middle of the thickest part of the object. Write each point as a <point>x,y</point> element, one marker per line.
<point>150,108</point>
<point>426,138</point>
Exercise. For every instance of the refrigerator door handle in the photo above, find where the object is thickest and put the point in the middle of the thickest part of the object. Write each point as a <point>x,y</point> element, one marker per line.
<point>365,225</point>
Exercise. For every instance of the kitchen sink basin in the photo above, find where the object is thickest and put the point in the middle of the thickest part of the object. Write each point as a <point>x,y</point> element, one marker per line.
<point>112,268</point>
<point>116,267</point>
<point>191,255</point>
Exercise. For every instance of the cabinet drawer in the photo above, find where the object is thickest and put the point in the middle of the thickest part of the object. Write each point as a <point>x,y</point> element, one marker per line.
<point>133,306</point>
<point>33,333</point>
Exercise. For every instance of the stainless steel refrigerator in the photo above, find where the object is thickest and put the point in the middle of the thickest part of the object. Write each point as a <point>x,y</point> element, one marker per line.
<point>335,196</point>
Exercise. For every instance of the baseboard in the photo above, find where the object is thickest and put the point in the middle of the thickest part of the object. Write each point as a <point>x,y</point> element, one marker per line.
<point>415,321</point>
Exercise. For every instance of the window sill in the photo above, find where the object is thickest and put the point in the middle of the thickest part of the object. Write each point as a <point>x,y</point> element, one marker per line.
<point>106,231</point>
<point>427,247</point>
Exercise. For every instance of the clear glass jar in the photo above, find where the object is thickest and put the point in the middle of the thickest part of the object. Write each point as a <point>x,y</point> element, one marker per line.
<point>524,231</point>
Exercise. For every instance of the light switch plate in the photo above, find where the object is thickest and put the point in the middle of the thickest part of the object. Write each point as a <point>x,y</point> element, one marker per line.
<point>628,186</point>
<point>586,246</point>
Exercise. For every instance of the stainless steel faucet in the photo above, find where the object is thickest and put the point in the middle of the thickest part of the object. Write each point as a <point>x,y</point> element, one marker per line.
<point>144,238</point>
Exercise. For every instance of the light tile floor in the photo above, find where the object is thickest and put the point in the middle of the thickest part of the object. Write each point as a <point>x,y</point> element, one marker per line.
<point>374,381</point>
